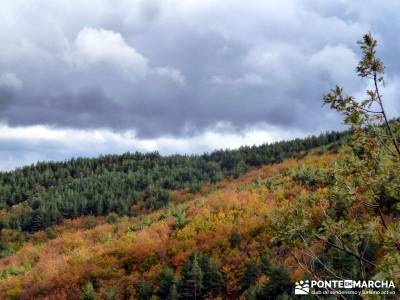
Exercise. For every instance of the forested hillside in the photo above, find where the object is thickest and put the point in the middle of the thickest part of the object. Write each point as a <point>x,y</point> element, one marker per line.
<point>245,238</point>
<point>241,224</point>
<point>35,197</point>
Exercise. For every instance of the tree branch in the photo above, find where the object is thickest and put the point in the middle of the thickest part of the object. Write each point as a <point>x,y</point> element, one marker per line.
<point>389,129</point>
<point>345,250</point>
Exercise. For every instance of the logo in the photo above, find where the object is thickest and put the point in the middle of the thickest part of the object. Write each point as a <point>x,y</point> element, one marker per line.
<point>344,287</point>
<point>302,288</point>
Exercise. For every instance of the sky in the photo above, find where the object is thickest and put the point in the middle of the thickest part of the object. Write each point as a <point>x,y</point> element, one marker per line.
<point>91,77</point>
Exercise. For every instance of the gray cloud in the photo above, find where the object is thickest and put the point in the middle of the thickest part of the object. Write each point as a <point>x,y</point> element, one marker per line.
<point>180,67</point>
<point>25,145</point>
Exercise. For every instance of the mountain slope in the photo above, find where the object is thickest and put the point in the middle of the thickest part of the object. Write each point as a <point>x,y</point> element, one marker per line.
<point>249,237</point>
<point>35,197</point>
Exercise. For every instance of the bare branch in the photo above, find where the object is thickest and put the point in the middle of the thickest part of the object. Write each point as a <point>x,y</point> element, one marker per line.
<point>388,127</point>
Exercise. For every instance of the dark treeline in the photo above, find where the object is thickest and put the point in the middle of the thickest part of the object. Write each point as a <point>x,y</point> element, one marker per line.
<point>35,197</point>
<point>201,279</point>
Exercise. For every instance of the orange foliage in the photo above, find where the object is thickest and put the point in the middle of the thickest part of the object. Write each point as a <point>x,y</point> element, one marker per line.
<point>120,255</point>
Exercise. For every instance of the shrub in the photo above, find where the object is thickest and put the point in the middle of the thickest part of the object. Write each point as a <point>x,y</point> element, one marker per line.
<point>112,218</point>
<point>90,222</point>
<point>88,292</point>
<point>308,176</point>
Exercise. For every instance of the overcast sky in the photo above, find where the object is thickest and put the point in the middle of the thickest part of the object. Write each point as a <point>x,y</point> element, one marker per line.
<point>90,77</point>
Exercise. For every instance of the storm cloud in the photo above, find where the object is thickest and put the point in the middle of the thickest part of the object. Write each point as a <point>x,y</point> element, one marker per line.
<point>177,69</point>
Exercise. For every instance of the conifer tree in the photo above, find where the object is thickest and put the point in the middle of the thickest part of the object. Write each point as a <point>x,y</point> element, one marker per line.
<point>165,282</point>
<point>88,292</point>
<point>173,293</point>
<point>212,278</point>
<point>192,280</point>
<point>251,274</point>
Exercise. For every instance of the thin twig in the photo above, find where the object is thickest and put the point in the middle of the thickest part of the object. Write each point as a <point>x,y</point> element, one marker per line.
<point>389,129</point>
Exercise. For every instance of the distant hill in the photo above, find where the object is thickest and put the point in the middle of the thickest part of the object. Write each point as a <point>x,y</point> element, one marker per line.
<point>44,194</point>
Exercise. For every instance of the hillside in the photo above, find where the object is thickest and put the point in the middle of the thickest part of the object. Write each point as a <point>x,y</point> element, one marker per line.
<point>310,218</point>
<point>33,198</point>
<point>250,238</point>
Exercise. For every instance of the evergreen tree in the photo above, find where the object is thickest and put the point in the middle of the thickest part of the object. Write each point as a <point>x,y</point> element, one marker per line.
<point>212,278</point>
<point>144,290</point>
<point>110,294</point>
<point>251,274</point>
<point>88,292</point>
<point>36,220</point>
<point>173,293</point>
<point>234,239</point>
<point>192,280</point>
<point>53,191</point>
<point>279,283</point>
<point>165,282</point>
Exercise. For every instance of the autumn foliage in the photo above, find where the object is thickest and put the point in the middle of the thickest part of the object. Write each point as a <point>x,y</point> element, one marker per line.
<point>330,213</point>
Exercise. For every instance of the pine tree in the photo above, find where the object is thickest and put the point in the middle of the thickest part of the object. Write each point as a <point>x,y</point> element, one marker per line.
<point>212,278</point>
<point>110,294</point>
<point>251,274</point>
<point>88,292</point>
<point>234,239</point>
<point>166,281</point>
<point>192,280</point>
<point>173,293</point>
<point>279,282</point>
<point>37,220</point>
<point>143,290</point>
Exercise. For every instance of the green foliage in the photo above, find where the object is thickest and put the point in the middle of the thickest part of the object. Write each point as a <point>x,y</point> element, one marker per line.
<point>199,277</point>
<point>180,217</point>
<point>110,294</point>
<point>369,64</point>
<point>364,183</point>
<point>309,176</point>
<point>192,280</point>
<point>5,251</point>
<point>90,222</point>
<point>251,293</point>
<point>279,282</point>
<point>195,186</point>
<point>12,271</point>
<point>277,286</point>
<point>150,260</point>
<point>212,278</point>
<point>390,265</point>
<point>166,284</point>
<point>240,168</point>
<point>329,219</point>
<point>368,117</point>
<point>10,242</point>
<point>88,292</point>
<point>51,192</point>
<point>50,233</point>
<point>144,290</point>
<point>112,218</point>
<point>234,239</point>
<point>344,265</point>
<point>251,274</point>
<point>271,183</point>
<point>173,293</point>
